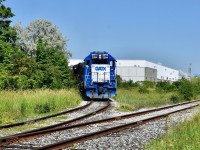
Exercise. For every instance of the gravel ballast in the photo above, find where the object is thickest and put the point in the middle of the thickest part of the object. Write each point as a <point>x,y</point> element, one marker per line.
<point>134,138</point>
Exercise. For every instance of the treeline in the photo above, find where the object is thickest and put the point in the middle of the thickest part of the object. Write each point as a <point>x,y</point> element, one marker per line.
<point>37,57</point>
<point>184,89</point>
<point>34,57</point>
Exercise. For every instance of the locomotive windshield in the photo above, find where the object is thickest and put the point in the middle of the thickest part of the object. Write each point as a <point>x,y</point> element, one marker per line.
<point>97,61</point>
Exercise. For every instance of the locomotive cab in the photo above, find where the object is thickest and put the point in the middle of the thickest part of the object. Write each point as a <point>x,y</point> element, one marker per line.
<point>99,75</point>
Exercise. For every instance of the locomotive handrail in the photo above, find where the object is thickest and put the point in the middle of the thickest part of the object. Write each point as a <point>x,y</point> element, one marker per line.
<point>113,74</point>
<point>87,77</point>
<point>97,79</point>
<point>89,74</point>
<point>104,74</point>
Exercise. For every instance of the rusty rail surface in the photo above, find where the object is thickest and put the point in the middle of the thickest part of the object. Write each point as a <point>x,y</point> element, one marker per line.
<point>46,117</point>
<point>16,137</point>
<point>70,142</point>
<point>46,130</point>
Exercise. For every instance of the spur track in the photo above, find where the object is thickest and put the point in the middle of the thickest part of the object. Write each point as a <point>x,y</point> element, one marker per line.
<point>71,141</point>
<point>46,117</point>
<point>18,137</point>
<point>74,140</point>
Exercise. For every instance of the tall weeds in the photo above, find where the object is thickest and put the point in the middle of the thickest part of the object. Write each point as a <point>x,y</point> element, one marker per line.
<point>16,105</point>
<point>133,98</point>
<point>184,136</point>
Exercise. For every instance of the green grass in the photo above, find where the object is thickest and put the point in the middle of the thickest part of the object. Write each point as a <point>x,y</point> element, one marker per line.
<point>131,99</point>
<point>185,136</point>
<point>17,105</point>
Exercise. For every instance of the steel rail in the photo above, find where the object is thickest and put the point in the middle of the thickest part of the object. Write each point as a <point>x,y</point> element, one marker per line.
<point>70,142</point>
<point>46,117</point>
<point>15,138</point>
<point>29,135</point>
<point>19,147</point>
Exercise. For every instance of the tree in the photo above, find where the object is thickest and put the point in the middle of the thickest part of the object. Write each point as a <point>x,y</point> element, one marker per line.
<point>48,66</point>
<point>58,74</point>
<point>196,83</point>
<point>7,33</point>
<point>40,29</point>
<point>186,89</point>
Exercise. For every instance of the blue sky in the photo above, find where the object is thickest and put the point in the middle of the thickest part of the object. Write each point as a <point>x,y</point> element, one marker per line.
<point>158,31</point>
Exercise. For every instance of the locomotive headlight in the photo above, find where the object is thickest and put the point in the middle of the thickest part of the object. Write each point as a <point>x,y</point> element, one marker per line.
<point>99,56</point>
<point>91,83</point>
<point>94,56</point>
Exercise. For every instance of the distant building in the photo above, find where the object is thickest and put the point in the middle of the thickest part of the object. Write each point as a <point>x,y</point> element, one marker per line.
<point>184,75</point>
<point>142,70</point>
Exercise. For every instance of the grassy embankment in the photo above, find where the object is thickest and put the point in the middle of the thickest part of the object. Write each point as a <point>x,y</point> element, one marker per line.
<point>17,105</point>
<point>132,99</point>
<point>184,136</point>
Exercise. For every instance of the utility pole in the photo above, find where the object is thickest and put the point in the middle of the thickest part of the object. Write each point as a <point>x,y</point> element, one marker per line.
<point>190,71</point>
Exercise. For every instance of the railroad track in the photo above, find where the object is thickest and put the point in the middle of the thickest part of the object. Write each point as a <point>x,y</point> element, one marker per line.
<point>17,137</point>
<point>71,141</point>
<point>46,117</point>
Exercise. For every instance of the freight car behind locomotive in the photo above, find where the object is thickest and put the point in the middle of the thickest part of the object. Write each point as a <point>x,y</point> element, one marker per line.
<point>97,75</point>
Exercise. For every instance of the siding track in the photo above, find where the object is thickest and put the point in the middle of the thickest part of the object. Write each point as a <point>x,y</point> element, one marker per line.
<point>69,142</point>
<point>74,140</point>
<point>17,137</point>
<point>46,117</point>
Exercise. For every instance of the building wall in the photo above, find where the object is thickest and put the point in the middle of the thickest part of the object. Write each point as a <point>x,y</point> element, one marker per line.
<point>141,70</point>
<point>131,63</point>
<point>163,73</point>
<point>131,73</point>
<point>150,74</point>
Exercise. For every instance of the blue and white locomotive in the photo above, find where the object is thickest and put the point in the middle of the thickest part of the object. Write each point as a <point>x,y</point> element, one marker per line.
<point>98,75</point>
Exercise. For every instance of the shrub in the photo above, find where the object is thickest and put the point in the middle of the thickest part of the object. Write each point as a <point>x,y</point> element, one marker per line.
<point>42,108</point>
<point>196,84</point>
<point>2,81</point>
<point>126,84</point>
<point>165,86</point>
<point>119,81</point>
<point>176,84</point>
<point>148,84</point>
<point>186,89</point>
<point>23,108</point>
<point>174,98</point>
<point>126,107</point>
<point>143,89</point>
<point>21,82</point>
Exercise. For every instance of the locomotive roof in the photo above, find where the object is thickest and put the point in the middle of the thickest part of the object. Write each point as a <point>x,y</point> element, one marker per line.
<point>99,53</point>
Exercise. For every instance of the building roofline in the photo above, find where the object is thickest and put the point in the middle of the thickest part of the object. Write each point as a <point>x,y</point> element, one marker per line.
<point>136,60</point>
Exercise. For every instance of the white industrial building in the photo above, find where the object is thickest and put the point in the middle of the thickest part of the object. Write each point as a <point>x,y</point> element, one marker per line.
<point>142,70</point>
